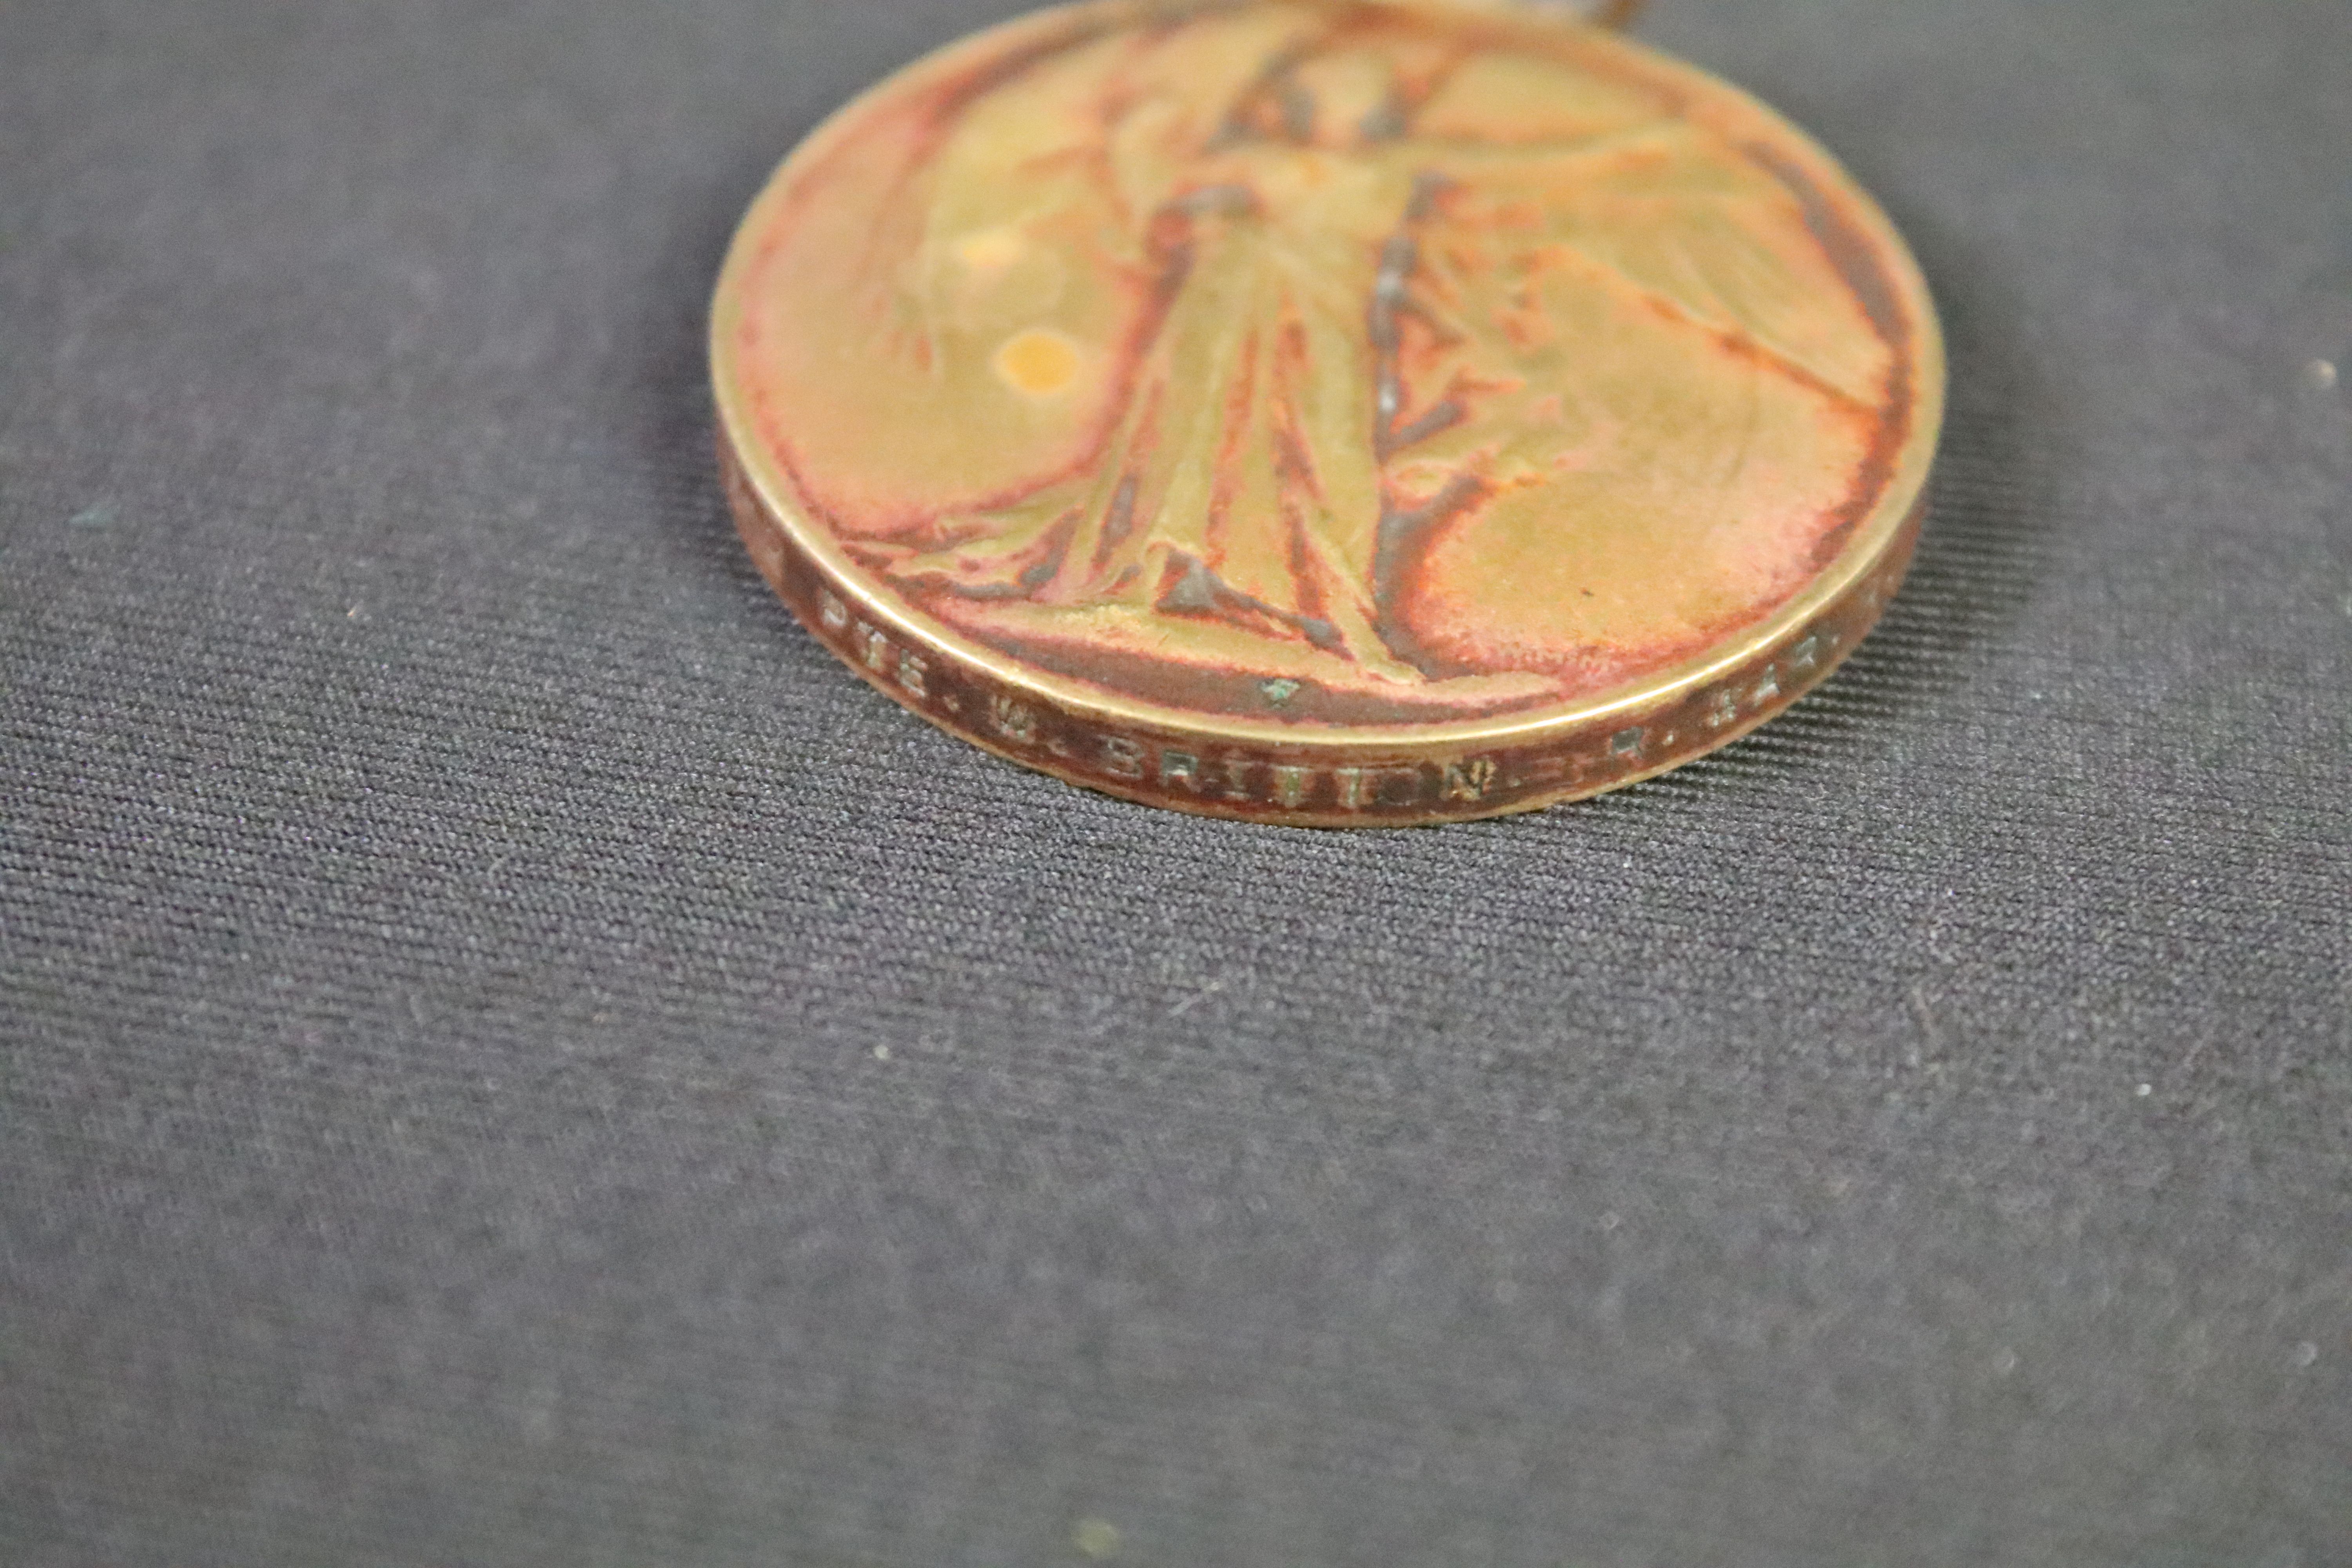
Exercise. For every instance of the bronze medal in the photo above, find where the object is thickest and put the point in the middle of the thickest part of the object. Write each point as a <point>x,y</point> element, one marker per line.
<point>1326,412</point>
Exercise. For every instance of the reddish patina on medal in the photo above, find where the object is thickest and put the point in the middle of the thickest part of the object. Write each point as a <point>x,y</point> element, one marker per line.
<point>1326,411</point>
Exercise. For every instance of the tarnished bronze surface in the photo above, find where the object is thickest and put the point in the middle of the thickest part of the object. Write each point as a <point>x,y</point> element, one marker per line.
<point>1333,412</point>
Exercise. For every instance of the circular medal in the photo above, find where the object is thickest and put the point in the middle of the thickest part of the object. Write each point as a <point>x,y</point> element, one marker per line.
<point>1327,412</point>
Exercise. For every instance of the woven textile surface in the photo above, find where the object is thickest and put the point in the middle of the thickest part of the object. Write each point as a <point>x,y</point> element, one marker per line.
<point>510,1054</point>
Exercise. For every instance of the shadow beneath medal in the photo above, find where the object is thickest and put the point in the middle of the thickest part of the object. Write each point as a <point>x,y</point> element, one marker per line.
<point>678,421</point>
<point>673,418</point>
<point>1990,505</point>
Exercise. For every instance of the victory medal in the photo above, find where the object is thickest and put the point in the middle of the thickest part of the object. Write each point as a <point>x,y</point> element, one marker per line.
<point>1326,412</point>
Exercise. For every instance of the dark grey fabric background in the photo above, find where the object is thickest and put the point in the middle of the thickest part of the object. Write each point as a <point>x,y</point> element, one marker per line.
<point>511,1055</point>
